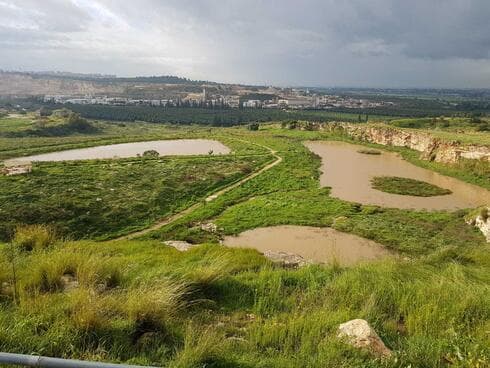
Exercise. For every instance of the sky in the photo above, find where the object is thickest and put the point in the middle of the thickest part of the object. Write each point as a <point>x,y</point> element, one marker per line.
<point>364,43</point>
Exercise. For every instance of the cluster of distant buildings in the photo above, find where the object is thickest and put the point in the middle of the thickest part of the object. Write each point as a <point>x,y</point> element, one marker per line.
<point>291,99</point>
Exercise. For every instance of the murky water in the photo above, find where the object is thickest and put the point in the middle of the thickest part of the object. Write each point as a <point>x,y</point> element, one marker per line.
<point>163,147</point>
<point>321,245</point>
<point>349,173</point>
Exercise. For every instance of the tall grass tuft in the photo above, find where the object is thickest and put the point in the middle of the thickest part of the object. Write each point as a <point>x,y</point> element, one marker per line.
<point>202,348</point>
<point>33,237</point>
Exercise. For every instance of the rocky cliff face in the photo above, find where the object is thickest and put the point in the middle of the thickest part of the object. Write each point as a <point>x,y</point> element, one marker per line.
<point>431,148</point>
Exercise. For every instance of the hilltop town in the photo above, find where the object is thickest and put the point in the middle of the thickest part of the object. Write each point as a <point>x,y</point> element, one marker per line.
<point>69,88</point>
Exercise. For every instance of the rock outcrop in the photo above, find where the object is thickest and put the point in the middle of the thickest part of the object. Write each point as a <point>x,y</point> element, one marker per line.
<point>17,169</point>
<point>360,334</point>
<point>180,245</point>
<point>432,148</point>
<point>482,221</point>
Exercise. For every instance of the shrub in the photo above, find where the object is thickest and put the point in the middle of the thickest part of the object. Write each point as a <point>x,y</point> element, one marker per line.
<point>151,154</point>
<point>253,126</point>
<point>484,213</point>
<point>33,237</point>
<point>45,111</point>
<point>77,123</point>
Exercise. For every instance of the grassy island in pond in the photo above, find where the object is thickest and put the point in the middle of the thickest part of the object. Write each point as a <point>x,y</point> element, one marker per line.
<point>407,186</point>
<point>367,151</point>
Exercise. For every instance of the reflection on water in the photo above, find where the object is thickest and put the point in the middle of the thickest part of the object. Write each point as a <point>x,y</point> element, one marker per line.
<point>164,148</point>
<point>322,245</point>
<point>349,174</point>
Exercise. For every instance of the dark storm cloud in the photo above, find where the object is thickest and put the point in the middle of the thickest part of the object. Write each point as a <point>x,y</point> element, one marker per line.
<point>316,42</point>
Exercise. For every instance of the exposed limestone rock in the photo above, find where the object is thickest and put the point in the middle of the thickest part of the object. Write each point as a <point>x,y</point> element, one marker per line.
<point>431,148</point>
<point>69,282</point>
<point>360,334</point>
<point>285,259</point>
<point>482,222</point>
<point>209,227</point>
<point>17,169</point>
<point>180,245</point>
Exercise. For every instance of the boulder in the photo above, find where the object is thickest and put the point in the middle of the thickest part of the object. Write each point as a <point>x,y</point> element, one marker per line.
<point>360,334</point>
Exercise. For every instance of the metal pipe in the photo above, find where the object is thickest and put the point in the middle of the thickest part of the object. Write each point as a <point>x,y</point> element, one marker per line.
<point>41,361</point>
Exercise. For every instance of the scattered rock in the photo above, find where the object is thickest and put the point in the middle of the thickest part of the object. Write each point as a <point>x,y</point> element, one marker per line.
<point>69,282</point>
<point>17,169</point>
<point>482,222</point>
<point>209,227</point>
<point>146,339</point>
<point>180,245</point>
<point>101,287</point>
<point>360,334</point>
<point>287,260</point>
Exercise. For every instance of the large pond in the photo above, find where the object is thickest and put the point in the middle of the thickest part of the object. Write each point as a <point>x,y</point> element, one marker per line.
<point>321,245</point>
<point>349,174</point>
<point>163,147</point>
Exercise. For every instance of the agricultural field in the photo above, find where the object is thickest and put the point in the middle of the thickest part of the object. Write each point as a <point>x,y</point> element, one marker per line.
<point>85,273</point>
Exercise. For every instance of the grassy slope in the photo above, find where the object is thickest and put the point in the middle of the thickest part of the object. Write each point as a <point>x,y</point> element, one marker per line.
<point>223,307</point>
<point>106,199</point>
<point>218,307</point>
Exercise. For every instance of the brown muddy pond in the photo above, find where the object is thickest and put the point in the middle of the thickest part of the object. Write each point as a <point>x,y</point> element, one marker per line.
<point>133,149</point>
<point>320,245</point>
<point>349,174</point>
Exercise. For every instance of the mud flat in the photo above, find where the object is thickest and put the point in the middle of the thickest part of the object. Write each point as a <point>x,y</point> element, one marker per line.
<point>319,245</point>
<point>349,174</point>
<point>123,150</point>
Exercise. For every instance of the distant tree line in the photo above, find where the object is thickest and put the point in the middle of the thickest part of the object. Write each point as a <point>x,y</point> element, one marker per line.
<point>205,116</point>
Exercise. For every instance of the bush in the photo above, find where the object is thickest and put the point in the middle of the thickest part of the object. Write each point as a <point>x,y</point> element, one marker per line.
<point>33,237</point>
<point>45,111</point>
<point>77,123</point>
<point>151,154</point>
<point>484,213</point>
<point>253,126</point>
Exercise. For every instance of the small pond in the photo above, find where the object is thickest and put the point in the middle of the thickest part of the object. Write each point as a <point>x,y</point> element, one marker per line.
<point>349,173</point>
<point>320,245</point>
<point>133,149</point>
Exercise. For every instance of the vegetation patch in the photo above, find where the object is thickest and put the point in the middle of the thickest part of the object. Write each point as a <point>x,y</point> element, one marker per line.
<point>368,151</point>
<point>104,198</point>
<point>407,186</point>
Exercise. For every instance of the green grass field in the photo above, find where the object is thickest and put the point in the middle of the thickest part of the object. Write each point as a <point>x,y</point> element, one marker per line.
<point>142,302</point>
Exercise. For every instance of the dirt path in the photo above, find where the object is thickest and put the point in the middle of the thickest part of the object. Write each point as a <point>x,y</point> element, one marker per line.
<point>212,197</point>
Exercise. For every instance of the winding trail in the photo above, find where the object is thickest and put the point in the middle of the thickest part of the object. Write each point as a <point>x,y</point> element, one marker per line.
<point>212,197</point>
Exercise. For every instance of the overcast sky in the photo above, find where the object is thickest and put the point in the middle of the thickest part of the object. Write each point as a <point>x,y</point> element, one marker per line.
<point>392,43</point>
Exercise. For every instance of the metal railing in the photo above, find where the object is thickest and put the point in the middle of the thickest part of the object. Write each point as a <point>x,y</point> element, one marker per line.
<point>41,361</point>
